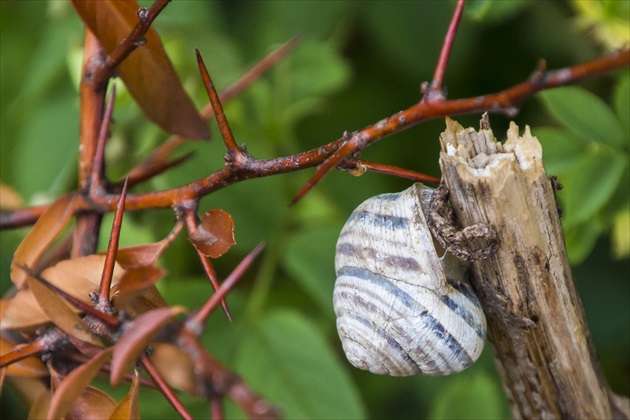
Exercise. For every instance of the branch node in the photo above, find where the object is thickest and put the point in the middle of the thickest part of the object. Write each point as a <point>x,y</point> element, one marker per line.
<point>143,15</point>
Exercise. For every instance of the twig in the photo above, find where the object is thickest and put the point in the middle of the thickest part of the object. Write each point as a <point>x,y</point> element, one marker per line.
<point>227,285</point>
<point>164,388</point>
<point>98,165</point>
<point>110,258</point>
<point>435,91</point>
<point>358,167</point>
<point>135,39</point>
<point>234,153</point>
<point>21,352</point>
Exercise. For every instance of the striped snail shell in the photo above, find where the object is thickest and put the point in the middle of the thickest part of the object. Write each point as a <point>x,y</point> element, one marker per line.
<point>401,308</point>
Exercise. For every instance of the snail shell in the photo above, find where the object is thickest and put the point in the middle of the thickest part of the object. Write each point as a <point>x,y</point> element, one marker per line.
<point>401,308</point>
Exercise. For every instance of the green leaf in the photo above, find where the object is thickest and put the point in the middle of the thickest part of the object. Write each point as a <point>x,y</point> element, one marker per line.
<point>288,360</point>
<point>584,114</point>
<point>321,70</point>
<point>581,239</point>
<point>561,149</point>
<point>622,104</point>
<point>309,259</point>
<point>591,183</point>
<point>479,397</point>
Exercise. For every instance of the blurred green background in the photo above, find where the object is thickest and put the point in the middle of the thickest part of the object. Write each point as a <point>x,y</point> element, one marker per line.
<point>359,62</point>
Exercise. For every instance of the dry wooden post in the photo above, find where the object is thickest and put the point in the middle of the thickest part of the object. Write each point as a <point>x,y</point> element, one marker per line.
<point>536,322</point>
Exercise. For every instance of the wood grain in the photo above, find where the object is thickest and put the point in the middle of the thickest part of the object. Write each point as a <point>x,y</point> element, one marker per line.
<point>536,322</point>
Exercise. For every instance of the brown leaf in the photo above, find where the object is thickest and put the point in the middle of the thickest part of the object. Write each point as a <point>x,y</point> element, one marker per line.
<point>147,71</point>
<point>137,336</point>
<point>9,199</point>
<point>128,407</point>
<point>92,404</point>
<point>135,304</point>
<point>40,407</point>
<point>215,234</point>
<point>176,367</point>
<point>30,367</point>
<point>60,313</point>
<point>44,231</point>
<point>23,313</point>
<point>78,277</point>
<point>138,279</point>
<point>74,384</point>
<point>141,255</point>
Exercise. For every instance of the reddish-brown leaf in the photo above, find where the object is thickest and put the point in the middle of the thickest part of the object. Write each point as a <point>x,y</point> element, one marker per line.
<point>74,384</point>
<point>78,277</point>
<point>175,366</point>
<point>141,255</point>
<point>136,304</point>
<point>147,72</point>
<point>9,199</point>
<point>137,336</point>
<point>91,404</point>
<point>44,231</point>
<point>40,407</point>
<point>60,313</point>
<point>128,407</point>
<point>138,279</point>
<point>23,313</point>
<point>31,367</point>
<point>215,235</point>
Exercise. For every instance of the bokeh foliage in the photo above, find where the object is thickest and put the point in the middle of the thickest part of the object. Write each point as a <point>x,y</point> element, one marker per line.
<point>359,62</point>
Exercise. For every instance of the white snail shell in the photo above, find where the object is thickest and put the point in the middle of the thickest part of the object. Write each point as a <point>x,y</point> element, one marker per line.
<point>401,308</point>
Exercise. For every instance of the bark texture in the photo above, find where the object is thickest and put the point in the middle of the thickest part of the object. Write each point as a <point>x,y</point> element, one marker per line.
<point>536,322</point>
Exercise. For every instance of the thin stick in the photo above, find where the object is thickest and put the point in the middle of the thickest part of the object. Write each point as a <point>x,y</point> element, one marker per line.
<point>201,316</point>
<point>112,251</point>
<point>164,388</point>
<point>233,151</point>
<point>435,89</point>
<point>360,166</point>
<point>21,352</point>
<point>98,165</point>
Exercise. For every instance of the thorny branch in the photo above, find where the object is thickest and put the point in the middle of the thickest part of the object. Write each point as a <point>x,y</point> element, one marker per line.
<point>332,154</point>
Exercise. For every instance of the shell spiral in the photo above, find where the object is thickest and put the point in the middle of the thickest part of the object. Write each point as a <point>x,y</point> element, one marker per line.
<point>401,308</point>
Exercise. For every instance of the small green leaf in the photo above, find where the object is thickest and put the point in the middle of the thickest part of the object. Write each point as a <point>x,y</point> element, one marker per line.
<point>477,398</point>
<point>591,183</point>
<point>309,258</point>
<point>288,360</point>
<point>585,114</point>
